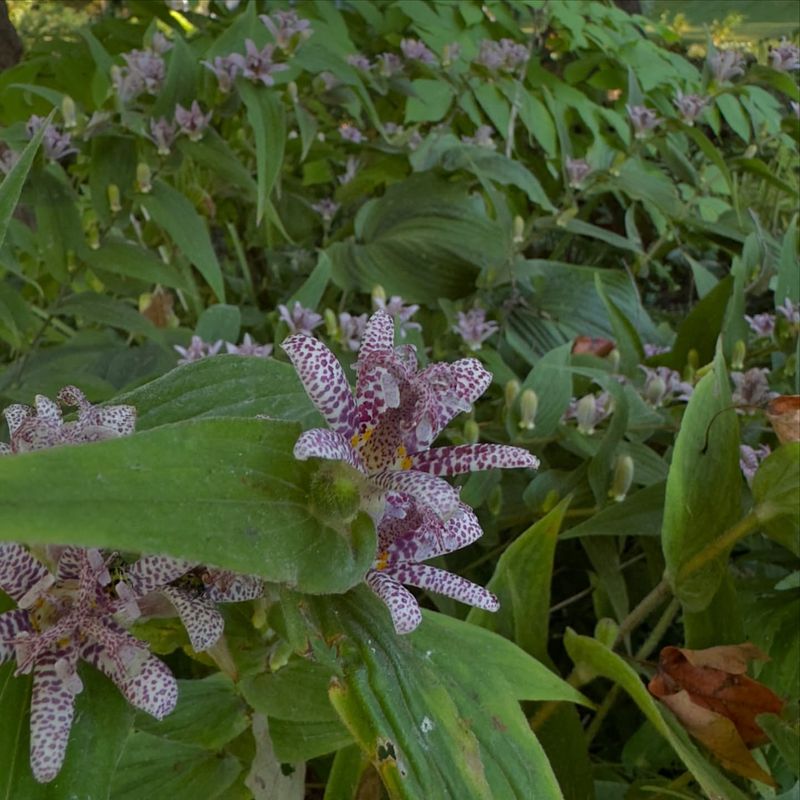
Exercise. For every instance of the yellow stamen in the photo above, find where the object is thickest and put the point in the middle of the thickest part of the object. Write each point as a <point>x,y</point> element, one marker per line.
<point>383,560</point>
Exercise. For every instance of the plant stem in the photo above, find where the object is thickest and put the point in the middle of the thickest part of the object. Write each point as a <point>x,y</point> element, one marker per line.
<point>642,611</point>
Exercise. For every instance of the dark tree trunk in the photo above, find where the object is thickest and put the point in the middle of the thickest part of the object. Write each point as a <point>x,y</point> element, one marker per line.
<point>631,6</point>
<point>10,44</point>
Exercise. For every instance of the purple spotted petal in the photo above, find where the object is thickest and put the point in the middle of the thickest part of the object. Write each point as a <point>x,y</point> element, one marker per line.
<point>427,490</point>
<point>322,443</point>
<point>19,570</point>
<point>324,382</point>
<point>446,583</point>
<point>70,561</point>
<point>401,603</point>
<point>15,415</point>
<point>223,586</point>
<point>52,709</point>
<point>202,621</point>
<point>96,423</point>
<point>12,624</point>
<point>47,411</point>
<point>469,381</point>
<point>150,573</point>
<point>378,335</point>
<point>471,458</point>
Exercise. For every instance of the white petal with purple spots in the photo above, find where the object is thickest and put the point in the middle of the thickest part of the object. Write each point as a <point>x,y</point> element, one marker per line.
<point>446,583</point>
<point>322,443</point>
<point>471,458</point>
<point>202,621</point>
<point>401,603</point>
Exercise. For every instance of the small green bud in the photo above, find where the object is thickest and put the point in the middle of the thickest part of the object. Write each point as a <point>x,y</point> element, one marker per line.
<point>693,359</point>
<point>586,414</point>
<point>512,392</point>
<point>331,323</point>
<point>606,631</point>
<point>113,197</point>
<point>378,295</point>
<point>614,359</point>
<point>739,353</point>
<point>519,230</point>
<point>292,87</point>
<point>143,176</point>
<point>655,390</point>
<point>528,406</point>
<point>68,112</point>
<point>472,433</point>
<point>751,151</point>
<point>623,478</point>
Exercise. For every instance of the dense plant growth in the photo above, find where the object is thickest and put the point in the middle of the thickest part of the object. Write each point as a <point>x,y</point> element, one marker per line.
<point>304,306</point>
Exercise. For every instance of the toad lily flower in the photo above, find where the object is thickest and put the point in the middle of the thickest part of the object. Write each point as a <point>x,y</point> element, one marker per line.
<point>386,430</point>
<point>62,618</point>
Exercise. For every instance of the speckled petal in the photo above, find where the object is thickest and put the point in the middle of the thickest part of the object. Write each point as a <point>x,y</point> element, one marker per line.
<point>470,379</point>
<point>427,490</point>
<point>223,586</point>
<point>69,563</point>
<point>202,621</point>
<point>471,458</point>
<point>322,443</point>
<point>324,381</point>
<point>442,582</point>
<point>401,603</point>
<point>378,335</point>
<point>149,573</point>
<point>12,623</point>
<point>15,415</point>
<point>108,422</point>
<point>52,709</point>
<point>460,530</point>
<point>19,570</point>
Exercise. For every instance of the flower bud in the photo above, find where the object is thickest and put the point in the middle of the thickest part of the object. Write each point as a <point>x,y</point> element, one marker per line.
<point>623,478</point>
<point>68,112</point>
<point>331,323</point>
<point>511,393</point>
<point>143,177</point>
<point>693,358</point>
<point>472,433</point>
<point>378,295</point>
<point>614,359</point>
<point>739,353</point>
<point>655,390</point>
<point>528,406</point>
<point>586,414</point>
<point>606,631</point>
<point>112,190</point>
<point>292,87</point>
<point>93,235</point>
<point>519,230</point>
<point>751,151</point>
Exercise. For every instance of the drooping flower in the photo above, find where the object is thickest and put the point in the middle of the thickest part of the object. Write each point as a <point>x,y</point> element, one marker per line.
<point>691,106</point>
<point>790,311</point>
<point>351,329</point>
<point>785,57</point>
<point>162,132</point>
<point>160,44</point>
<point>55,144</point>
<point>226,68</point>
<point>750,459</point>
<point>300,319</point>
<point>643,119</point>
<point>257,65</point>
<point>389,64</point>
<point>505,55</point>
<point>192,121</point>
<point>359,61</point>
<point>396,308</point>
<point>350,169</point>
<point>726,64</point>
<point>385,433</point>
<point>415,50</point>
<point>663,385</point>
<point>577,170</point>
<point>326,208</point>
<point>763,325</point>
<point>286,28</point>
<point>148,67</point>
<point>350,133</point>
<point>651,349</point>
<point>473,328</point>
<point>483,137</point>
<point>589,411</point>
<point>64,617</point>
<point>751,388</point>
<point>196,350</point>
<point>248,347</point>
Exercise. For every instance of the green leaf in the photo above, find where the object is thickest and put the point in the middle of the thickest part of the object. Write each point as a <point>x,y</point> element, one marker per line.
<point>228,492</point>
<point>788,275</point>
<point>581,228</point>
<point>785,736</point>
<point>429,102</point>
<point>172,211</point>
<point>132,261</point>
<point>551,379</point>
<point>703,488</point>
<point>732,111</point>
<point>521,582</point>
<point>432,723</point>
<point>775,487</point>
<point>268,122</point>
<point>345,775</point>
<point>180,83</point>
<point>11,187</point>
<point>592,654</point>
<point>219,321</point>
<point>625,335</point>
<point>103,310</point>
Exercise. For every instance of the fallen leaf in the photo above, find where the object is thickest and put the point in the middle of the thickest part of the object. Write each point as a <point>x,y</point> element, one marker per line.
<point>717,703</point>
<point>157,307</point>
<point>784,414</point>
<point>595,347</point>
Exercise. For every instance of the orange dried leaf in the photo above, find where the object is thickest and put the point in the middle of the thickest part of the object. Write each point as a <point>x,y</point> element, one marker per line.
<point>595,347</point>
<point>157,307</point>
<point>784,414</point>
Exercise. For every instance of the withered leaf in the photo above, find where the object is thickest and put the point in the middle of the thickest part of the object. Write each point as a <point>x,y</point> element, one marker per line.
<point>596,347</point>
<point>717,703</point>
<point>784,414</point>
<point>157,307</point>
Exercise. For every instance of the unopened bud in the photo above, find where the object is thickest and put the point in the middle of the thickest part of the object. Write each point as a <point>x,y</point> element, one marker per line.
<point>93,235</point>
<point>586,414</point>
<point>693,358</point>
<point>143,177</point>
<point>331,323</point>
<point>751,151</point>
<point>614,359</point>
<point>739,353</point>
<point>606,631</point>
<point>528,406</point>
<point>472,432</point>
<point>292,87</point>
<point>511,393</point>
<point>378,295</point>
<point>495,501</point>
<point>519,230</point>
<point>623,478</point>
<point>113,197</point>
<point>68,112</point>
<point>655,390</point>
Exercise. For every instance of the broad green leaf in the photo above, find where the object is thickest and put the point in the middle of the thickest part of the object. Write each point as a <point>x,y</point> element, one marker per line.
<point>214,152</point>
<point>268,122</point>
<point>775,490</point>
<point>785,736</point>
<point>731,110</point>
<point>703,488</point>
<point>224,386</point>
<point>223,492</point>
<point>219,321</point>
<point>132,261</point>
<point>431,723</point>
<point>429,101</point>
<point>345,775</point>
<point>310,293</point>
<point>113,161</point>
<point>180,83</point>
<point>596,656</point>
<point>581,228</point>
<point>720,622</point>
<point>521,582</point>
<point>788,286</point>
<point>172,211</point>
<point>91,307</point>
<point>551,379</point>
<point>625,335</point>
<point>11,187</point>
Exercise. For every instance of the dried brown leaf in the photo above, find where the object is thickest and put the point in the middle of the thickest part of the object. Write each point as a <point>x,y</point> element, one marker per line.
<point>784,414</point>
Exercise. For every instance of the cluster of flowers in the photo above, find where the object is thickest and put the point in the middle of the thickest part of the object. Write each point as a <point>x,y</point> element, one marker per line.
<point>77,604</point>
<point>385,432</point>
<point>144,70</point>
<point>763,325</point>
